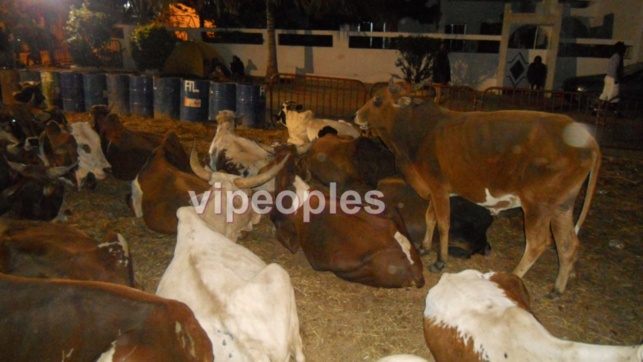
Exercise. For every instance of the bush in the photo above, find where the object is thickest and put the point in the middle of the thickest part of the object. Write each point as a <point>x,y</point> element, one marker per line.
<point>151,45</point>
<point>88,36</point>
<point>415,57</point>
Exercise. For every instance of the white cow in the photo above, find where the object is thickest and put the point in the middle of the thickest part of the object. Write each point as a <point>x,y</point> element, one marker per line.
<point>246,307</point>
<point>304,128</point>
<point>470,316</point>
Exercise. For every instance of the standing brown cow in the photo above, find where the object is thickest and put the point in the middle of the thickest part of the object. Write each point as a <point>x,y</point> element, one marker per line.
<point>501,160</point>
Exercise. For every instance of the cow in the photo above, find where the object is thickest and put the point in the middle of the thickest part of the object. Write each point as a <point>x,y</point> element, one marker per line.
<point>350,163</point>
<point>304,128</point>
<point>500,160</point>
<point>125,150</point>
<point>357,244</point>
<point>71,320</point>
<point>31,187</point>
<point>246,307</point>
<point>165,182</point>
<point>469,222</point>
<point>41,249</point>
<point>471,316</point>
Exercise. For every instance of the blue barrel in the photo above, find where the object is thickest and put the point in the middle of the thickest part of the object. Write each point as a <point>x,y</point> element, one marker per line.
<point>141,95</point>
<point>27,75</point>
<point>250,105</point>
<point>167,97</point>
<point>222,96</point>
<point>50,84</point>
<point>194,100</point>
<point>71,88</point>
<point>118,93</point>
<point>95,88</point>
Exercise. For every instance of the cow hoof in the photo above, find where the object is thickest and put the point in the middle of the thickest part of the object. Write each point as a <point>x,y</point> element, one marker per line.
<point>554,294</point>
<point>437,267</point>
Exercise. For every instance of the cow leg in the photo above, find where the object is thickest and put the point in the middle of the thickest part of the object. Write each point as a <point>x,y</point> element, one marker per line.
<point>429,218</point>
<point>442,210</point>
<point>538,238</point>
<point>567,244</point>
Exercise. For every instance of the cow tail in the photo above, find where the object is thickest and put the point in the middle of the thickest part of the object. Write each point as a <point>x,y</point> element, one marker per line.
<point>589,193</point>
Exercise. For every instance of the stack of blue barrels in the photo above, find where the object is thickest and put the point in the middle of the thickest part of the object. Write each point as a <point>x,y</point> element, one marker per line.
<point>195,100</point>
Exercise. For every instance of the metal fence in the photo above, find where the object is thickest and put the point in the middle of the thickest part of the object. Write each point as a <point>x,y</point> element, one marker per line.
<point>335,98</point>
<point>618,125</point>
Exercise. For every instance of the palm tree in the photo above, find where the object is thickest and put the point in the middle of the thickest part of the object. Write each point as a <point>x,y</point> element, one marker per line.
<point>271,66</point>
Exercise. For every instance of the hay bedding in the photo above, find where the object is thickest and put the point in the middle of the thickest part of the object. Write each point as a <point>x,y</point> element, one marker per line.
<point>342,321</point>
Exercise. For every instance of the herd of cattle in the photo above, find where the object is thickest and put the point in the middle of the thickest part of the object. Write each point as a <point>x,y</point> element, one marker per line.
<point>75,299</point>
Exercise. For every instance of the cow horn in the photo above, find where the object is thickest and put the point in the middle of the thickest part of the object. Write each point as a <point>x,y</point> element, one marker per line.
<point>40,172</point>
<point>260,179</point>
<point>196,166</point>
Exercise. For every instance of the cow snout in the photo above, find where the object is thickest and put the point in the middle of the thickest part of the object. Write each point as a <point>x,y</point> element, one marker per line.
<point>363,124</point>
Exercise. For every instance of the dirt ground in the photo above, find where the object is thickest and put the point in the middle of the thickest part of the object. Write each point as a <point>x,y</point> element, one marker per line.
<point>342,321</point>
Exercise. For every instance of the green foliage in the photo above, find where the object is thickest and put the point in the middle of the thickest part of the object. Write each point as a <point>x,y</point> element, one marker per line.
<point>415,56</point>
<point>151,45</point>
<point>88,36</point>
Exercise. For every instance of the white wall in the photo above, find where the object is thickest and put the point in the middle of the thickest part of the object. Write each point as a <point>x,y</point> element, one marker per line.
<point>476,70</point>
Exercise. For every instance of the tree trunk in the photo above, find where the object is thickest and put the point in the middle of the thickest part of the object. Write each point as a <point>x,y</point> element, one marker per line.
<point>271,68</point>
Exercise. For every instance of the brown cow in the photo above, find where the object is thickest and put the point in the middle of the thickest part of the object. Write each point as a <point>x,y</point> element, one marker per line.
<point>69,320</point>
<point>351,163</point>
<point>501,160</point>
<point>47,250</point>
<point>475,317</point>
<point>125,150</point>
<point>358,246</point>
<point>163,185</point>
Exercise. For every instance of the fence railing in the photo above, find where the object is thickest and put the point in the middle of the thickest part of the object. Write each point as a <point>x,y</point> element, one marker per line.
<point>619,125</point>
<point>336,98</point>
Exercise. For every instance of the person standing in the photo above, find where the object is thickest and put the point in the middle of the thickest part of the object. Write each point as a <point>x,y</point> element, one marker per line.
<point>441,70</point>
<point>537,73</point>
<point>611,86</point>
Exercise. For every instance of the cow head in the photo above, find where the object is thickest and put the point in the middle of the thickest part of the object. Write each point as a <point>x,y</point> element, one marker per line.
<point>379,112</point>
<point>35,194</point>
<point>226,185</point>
<point>226,120</point>
<point>30,93</point>
<point>58,148</point>
<point>92,162</point>
<point>288,106</point>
